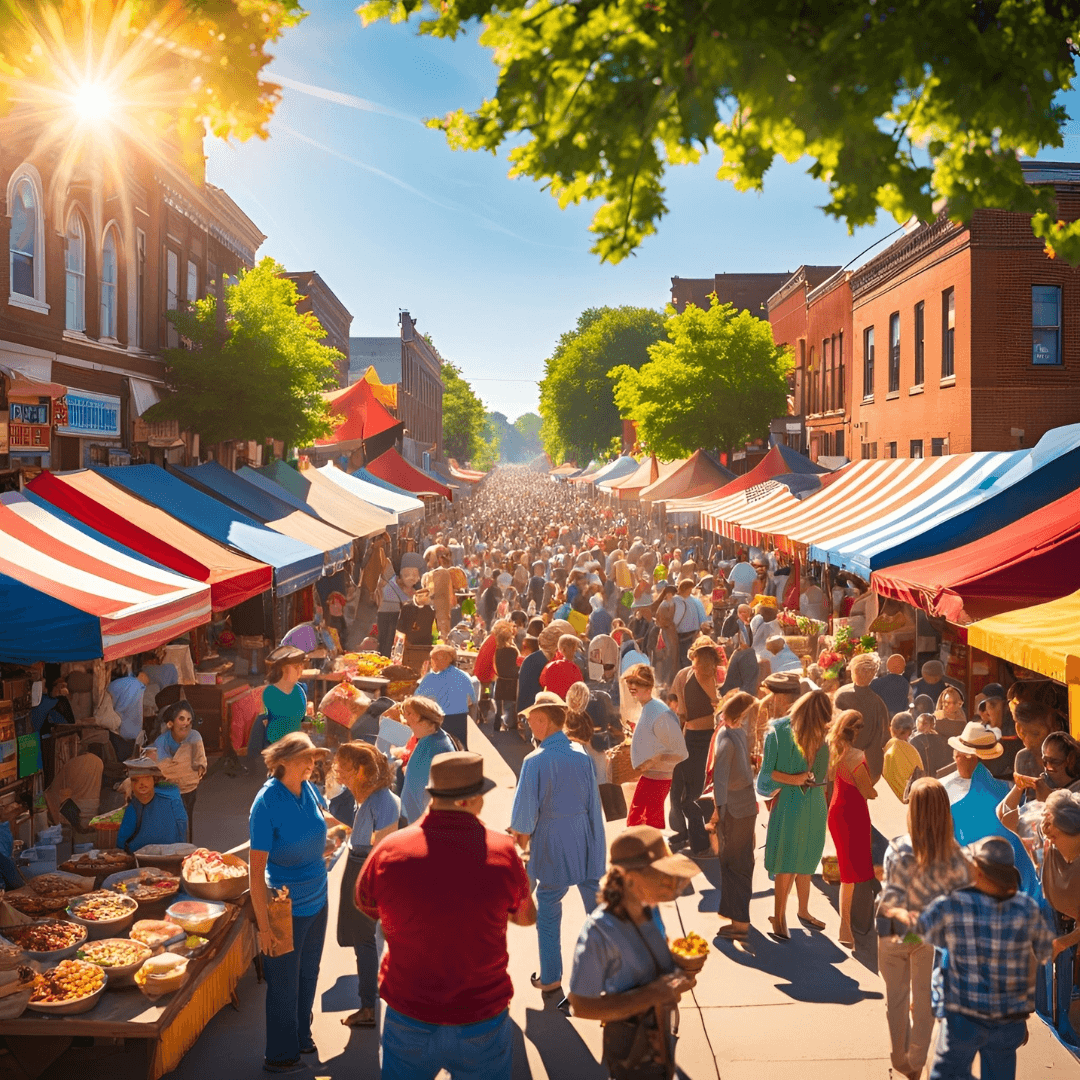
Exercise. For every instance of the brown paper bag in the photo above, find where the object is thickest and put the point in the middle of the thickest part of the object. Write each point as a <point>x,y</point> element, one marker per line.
<point>279,915</point>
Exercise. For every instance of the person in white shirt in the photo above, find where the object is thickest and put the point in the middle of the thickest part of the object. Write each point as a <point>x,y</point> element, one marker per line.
<point>780,655</point>
<point>742,576</point>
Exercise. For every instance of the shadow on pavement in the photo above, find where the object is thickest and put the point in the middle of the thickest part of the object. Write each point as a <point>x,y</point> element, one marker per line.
<point>512,748</point>
<point>359,1058</point>
<point>806,963</point>
<point>561,1048</point>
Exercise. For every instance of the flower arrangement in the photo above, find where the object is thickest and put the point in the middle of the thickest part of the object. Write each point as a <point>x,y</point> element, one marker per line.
<point>831,663</point>
<point>849,644</point>
<point>794,623</point>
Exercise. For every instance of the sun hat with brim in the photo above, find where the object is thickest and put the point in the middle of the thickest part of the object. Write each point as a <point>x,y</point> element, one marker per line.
<point>642,847</point>
<point>993,855</point>
<point>143,766</point>
<point>457,775</point>
<point>545,699</point>
<point>286,654</point>
<point>784,682</point>
<point>977,741</point>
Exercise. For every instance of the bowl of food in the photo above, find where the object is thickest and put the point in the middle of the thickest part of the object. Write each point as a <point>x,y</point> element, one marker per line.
<point>58,885</point>
<point>119,957</point>
<point>209,875</point>
<point>104,913</point>
<point>149,886</point>
<point>37,907</point>
<point>191,946</point>
<point>72,987</point>
<point>196,916</point>
<point>98,864</point>
<point>16,986</point>
<point>48,940</point>
<point>690,952</point>
<point>161,975</point>
<point>157,934</point>
<point>167,857</point>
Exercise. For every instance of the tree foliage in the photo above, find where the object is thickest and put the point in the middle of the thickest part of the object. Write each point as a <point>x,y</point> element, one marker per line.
<point>580,417</point>
<point>173,67</point>
<point>894,104</point>
<point>463,415</point>
<point>264,379</point>
<point>715,383</point>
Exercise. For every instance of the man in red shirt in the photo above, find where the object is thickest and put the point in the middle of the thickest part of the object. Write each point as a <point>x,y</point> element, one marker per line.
<point>562,672</point>
<point>444,890</point>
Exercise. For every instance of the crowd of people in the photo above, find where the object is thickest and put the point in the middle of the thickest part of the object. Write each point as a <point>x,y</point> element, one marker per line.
<point>625,657</point>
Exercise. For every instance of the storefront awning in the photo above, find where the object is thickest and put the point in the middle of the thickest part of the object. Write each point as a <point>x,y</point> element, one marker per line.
<point>1035,559</point>
<point>296,564</point>
<point>277,514</point>
<point>154,533</point>
<point>69,596</point>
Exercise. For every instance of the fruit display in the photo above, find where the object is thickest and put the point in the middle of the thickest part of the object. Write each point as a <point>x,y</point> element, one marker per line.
<point>46,937</point>
<point>156,932</point>
<point>147,885</point>
<point>103,906</point>
<point>365,665</point>
<point>114,952</point>
<point>90,863</point>
<point>204,867</point>
<point>69,981</point>
<point>690,952</point>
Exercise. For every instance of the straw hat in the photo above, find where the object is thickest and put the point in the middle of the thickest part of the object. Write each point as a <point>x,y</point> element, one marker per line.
<point>977,740</point>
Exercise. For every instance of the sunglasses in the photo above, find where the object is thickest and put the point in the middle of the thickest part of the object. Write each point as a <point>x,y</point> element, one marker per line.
<point>1054,762</point>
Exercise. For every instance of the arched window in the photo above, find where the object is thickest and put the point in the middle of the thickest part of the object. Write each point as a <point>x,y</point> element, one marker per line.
<point>75,271</point>
<point>24,222</point>
<point>110,279</point>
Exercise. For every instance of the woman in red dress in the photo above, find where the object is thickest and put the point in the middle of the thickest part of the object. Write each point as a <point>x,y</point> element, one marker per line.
<point>849,815</point>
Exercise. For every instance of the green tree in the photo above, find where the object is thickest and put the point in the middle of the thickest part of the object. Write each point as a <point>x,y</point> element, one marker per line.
<point>894,104</point>
<point>463,415</point>
<point>171,69</point>
<point>580,417</point>
<point>716,382</point>
<point>488,452</point>
<point>263,379</point>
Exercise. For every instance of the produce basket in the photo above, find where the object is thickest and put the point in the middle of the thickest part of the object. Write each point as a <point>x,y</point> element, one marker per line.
<point>690,952</point>
<point>105,834</point>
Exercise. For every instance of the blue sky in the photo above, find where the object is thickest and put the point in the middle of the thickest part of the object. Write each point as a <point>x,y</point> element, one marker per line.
<point>391,218</point>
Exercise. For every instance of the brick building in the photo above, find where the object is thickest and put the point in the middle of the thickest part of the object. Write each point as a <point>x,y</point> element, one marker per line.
<point>967,338</point>
<point>318,298</point>
<point>420,394</point>
<point>823,390</point>
<point>747,292</point>
<point>90,273</point>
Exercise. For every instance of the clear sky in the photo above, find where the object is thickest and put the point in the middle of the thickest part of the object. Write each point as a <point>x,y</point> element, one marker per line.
<point>351,185</point>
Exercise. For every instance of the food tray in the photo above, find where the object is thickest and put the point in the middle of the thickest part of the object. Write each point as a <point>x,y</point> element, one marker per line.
<point>119,974</point>
<point>70,1008</point>
<point>55,954</point>
<point>196,916</point>
<point>229,889</point>
<point>170,863</point>
<point>104,928</point>
<point>151,908</point>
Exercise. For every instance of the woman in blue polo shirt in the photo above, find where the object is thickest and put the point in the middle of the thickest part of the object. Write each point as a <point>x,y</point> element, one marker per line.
<point>288,828</point>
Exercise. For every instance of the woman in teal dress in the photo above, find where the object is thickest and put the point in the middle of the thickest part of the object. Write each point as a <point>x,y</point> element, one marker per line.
<point>796,836</point>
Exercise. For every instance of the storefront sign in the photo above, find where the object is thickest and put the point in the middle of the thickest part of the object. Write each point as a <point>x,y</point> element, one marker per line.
<point>91,415</point>
<point>28,427</point>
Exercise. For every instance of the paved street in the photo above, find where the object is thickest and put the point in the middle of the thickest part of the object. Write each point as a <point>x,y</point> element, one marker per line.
<point>754,1013</point>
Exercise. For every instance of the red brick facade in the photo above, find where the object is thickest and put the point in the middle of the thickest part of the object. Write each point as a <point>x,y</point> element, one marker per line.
<point>826,382</point>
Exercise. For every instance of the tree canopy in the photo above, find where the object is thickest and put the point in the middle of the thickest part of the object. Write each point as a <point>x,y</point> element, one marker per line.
<point>264,378</point>
<point>463,415</point>
<point>894,105</point>
<point>580,417</point>
<point>518,442</point>
<point>170,68</point>
<point>715,383</point>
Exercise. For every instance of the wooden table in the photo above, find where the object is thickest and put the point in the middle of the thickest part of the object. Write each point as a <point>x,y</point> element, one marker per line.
<point>166,1029</point>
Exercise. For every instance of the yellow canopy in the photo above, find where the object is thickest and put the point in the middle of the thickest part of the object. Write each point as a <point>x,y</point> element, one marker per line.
<point>385,393</point>
<point>1043,638</point>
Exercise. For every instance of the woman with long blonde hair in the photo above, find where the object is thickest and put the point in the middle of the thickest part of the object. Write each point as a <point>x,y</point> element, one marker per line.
<point>368,775</point>
<point>795,760</point>
<point>849,815</point>
<point>919,867</point>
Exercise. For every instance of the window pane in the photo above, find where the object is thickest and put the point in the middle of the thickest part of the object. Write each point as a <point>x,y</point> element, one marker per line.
<point>1044,347</point>
<point>108,286</point>
<point>1045,301</point>
<point>23,239</point>
<point>75,278</point>
<point>916,448</point>
<point>192,282</point>
<point>894,353</point>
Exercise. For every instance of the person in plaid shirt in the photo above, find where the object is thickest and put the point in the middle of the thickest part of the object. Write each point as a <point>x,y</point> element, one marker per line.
<point>993,935</point>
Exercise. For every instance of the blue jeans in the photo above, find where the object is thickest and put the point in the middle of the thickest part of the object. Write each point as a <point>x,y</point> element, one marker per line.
<point>962,1037</point>
<point>413,1050</point>
<point>290,988</point>
<point>549,924</point>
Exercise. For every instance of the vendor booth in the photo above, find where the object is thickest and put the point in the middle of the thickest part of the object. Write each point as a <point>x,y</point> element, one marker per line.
<point>392,467</point>
<point>405,508</point>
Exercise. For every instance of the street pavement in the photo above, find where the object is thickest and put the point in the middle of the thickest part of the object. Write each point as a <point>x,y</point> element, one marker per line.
<point>806,1007</point>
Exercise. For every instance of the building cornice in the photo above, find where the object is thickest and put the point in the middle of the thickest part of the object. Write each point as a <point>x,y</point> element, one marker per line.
<point>905,251</point>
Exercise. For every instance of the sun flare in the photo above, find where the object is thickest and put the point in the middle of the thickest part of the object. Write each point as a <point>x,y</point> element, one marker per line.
<point>94,102</point>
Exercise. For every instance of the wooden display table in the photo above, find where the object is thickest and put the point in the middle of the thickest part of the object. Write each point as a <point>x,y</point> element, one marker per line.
<point>166,1029</point>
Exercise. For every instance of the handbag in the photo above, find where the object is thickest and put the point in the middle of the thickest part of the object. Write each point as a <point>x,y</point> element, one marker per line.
<point>105,715</point>
<point>622,768</point>
<point>613,802</point>
<point>279,916</point>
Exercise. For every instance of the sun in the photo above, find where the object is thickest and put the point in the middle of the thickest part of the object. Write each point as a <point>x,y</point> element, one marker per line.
<point>93,102</point>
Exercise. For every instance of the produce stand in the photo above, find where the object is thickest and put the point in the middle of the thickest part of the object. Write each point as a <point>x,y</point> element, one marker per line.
<point>166,1029</point>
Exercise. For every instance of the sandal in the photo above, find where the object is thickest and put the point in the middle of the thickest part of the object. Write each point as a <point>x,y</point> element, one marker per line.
<point>809,920</point>
<point>779,929</point>
<point>555,991</point>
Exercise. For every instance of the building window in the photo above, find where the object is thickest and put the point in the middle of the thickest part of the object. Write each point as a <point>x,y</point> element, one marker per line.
<point>839,438</point>
<point>920,343</point>
<point>24,239</point>
<point>841,398</point>
<point>868,363</point>
<point>916,448</point>
<point>75,273</point>
<point>140,286</point>
<point>172,293</point>
<point>890,449</point>
<point>192,282</point>
<point>937,447</point>
<point>869,450</point>
<point>1046,325</point>
<point>948,333</point>
<point>811,379</point>
<point>894,352</point>
<point>110,279</point>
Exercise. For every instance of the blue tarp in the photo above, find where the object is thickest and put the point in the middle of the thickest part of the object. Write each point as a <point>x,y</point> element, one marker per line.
<point>272,511</point>
<point>993,491</point>
<point>296,565</point>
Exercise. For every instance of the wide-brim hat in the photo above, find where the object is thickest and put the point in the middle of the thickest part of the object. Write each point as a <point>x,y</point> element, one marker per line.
<point>978,740</point>
<point>784,682</point>
<point>641,847</point>
<point>545,699</point>
<point>286,654</point>
<point>457,775</point>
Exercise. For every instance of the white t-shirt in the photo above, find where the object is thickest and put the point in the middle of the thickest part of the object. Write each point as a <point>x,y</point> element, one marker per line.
<point>742,577</point>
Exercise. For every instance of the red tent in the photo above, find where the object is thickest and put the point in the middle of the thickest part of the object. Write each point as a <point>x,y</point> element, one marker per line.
<point>365,420</point>
<point>1028,562</point>
<point>125,518</point>
<point>394,469</point>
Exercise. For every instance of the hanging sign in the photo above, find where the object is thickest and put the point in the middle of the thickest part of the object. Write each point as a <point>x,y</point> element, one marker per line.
<point>28,424</point>
<point>91,415</point>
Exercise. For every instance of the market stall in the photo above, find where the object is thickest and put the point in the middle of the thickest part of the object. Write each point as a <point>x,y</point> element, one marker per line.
<point>698,475</point>
<point>392,467</point>
<point>406,508</point>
